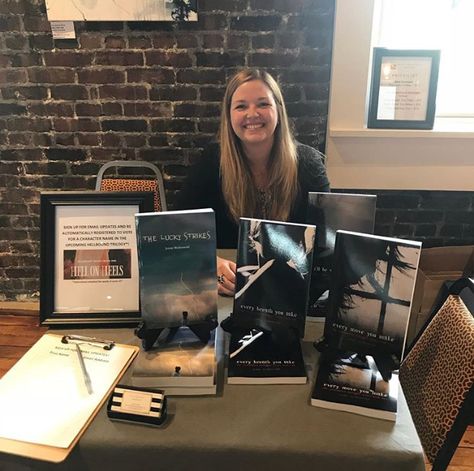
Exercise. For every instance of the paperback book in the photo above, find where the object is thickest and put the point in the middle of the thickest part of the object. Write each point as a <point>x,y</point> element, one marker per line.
<point>371,293</point>
<point>274,262</point>
<point>180,364</point>
<point>256,357</point>
<point>177,265</point>
<point>330,212</point>
<point>350,382</point>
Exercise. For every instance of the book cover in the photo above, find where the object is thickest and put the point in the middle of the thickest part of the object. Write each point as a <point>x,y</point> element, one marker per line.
<point>177,265</point>
<point>371,293</point>
<point>350,382</point>
<point>255,357</point>
<point>330,212</point>
<point>181,363</point>
<point>274,262</point>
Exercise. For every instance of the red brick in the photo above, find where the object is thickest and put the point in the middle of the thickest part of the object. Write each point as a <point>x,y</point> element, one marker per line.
<point>36,24</point>
<point>75,124</point>
<point>101,76</point>
<point>272,60</point>
<point>52,109</point>
<point>139,42</point>
<point>119,58</point>
<point>174,59</point>
<point>69,155</point>
<point>219,59</point>
<point>238,41</point>
<point>173,93</point>
<point>63,139</point>
<point>172,125</point>
<point>147,109</point>
<point>212,41</point>
<point>10,23</point>
<point>200,76</point>
<point>16,42</point>
<point>164,41</point>
<point>51,75</point>
<point>123,92</point>
<point>22,139</point>
<point>69,92</point>
<point>91,41</point>
<point>88,139</point>
<point>186,40</point>
<point>256,23</point>
<point>115,42</point>
<point>88,109</point>
<point>148,75</point>
<point>212,93</point>
<point>29,124</point>
<point>12,7</point>
<point>197,110</point>
<point>67,59</point>
<point>13,76</point>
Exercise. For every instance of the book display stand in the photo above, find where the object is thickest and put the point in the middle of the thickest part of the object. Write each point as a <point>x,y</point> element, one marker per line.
<point>149,336</point>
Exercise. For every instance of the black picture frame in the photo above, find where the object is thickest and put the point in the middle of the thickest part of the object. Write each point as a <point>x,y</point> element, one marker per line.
<point>75,202</point>
<point>409,91</point>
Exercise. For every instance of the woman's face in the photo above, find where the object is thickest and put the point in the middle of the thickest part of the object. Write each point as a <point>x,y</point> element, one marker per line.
<point>253,113</point>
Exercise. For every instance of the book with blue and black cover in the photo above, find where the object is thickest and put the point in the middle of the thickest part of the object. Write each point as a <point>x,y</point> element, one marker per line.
<point>372,286</point>
<point>274,262</point>
<point>351,382</point>
<point>177,266</point>
<point>330,212</point>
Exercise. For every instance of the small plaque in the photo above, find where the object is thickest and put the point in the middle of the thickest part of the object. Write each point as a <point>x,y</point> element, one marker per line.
<point>63,30</point>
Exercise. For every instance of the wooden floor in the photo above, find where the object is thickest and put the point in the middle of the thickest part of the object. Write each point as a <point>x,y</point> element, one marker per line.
<point>19,330</point>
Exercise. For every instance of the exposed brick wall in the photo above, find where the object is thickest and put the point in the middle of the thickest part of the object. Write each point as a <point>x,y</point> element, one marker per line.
<point>136,90</point>
<point>435,218</point>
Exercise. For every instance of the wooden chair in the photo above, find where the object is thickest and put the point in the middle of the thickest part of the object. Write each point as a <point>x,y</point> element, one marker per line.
<point>117,182</point>
<point>437,377</point>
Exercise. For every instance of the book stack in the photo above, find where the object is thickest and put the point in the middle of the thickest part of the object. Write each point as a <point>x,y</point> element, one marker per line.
<point>331,212</point>
<point>178,295</point>
<point>274,261</point>
<point>182,366</point>
<point>369,305</point>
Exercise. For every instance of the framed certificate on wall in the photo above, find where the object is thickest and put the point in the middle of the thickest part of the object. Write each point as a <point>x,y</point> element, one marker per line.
<point>89,262</point>
<point>403,88</point>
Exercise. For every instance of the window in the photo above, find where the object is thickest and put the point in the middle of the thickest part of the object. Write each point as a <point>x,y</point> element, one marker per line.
<point>436,24</point>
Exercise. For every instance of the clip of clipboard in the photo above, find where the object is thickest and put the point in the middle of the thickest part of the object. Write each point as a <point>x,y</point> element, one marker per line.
<point>105,344</point>
<point>26,367</point>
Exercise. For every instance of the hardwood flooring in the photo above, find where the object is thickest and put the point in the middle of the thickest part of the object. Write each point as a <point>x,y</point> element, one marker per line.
<point>19,330</point>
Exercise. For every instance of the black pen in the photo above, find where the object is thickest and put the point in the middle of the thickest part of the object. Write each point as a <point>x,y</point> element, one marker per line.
<point>85,374</point>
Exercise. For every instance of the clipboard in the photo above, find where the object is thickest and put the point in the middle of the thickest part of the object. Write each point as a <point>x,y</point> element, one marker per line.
<point>124,357</point>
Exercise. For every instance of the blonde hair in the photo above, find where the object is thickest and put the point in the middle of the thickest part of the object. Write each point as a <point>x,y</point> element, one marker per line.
<point>238,187</point>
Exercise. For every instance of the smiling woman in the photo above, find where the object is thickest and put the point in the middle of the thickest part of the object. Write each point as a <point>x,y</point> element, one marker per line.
<point>257,170</point>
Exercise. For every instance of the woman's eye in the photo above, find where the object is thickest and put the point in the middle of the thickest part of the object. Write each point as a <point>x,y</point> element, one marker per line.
<point>239,107</point>
<point>263,104</point>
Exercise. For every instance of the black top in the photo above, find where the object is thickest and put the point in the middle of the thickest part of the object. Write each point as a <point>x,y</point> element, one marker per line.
<point>203,190</point>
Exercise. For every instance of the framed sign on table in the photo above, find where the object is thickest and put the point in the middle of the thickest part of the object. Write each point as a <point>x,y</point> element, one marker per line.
<point>89,263</point>
<point>403,88</point>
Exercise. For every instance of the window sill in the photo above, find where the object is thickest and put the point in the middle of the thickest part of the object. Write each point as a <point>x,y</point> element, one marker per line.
<point>447,128</point>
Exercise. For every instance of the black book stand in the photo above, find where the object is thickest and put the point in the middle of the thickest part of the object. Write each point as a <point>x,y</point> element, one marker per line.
<point>150,336</point>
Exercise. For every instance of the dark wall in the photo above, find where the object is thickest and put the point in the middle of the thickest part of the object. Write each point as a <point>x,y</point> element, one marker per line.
<point>435,218</point>
<point>136,90</point>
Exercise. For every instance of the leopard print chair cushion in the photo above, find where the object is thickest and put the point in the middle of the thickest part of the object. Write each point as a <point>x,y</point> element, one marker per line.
<point>438,373</point>
<point>125,184</point>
